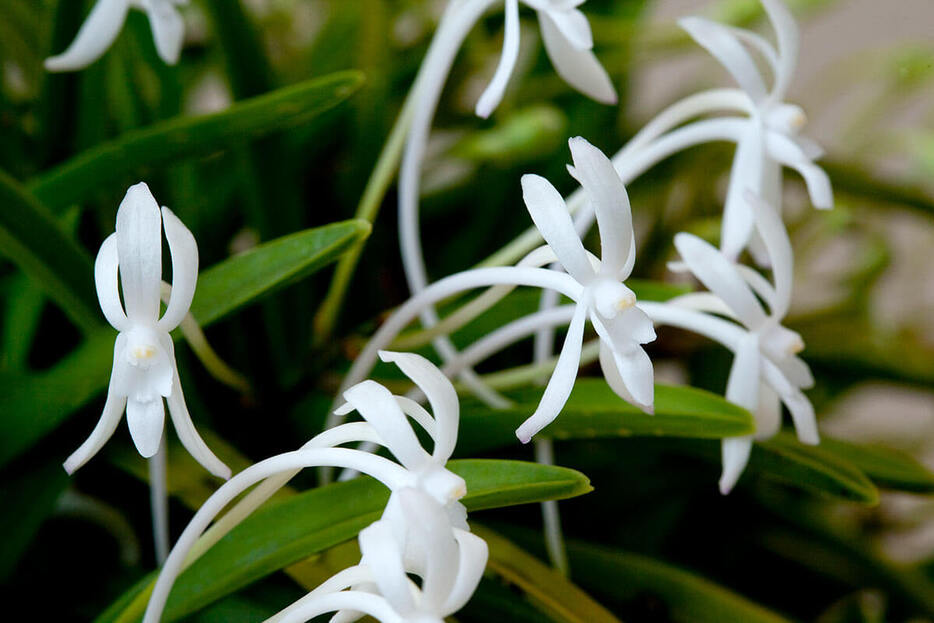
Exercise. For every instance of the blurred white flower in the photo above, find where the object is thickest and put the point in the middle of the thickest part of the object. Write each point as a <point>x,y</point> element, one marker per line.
<point>104,24</point>
<point>736,288</point>
<point>144,370</point>
<point>769,139</point>
<point>568,42</point>
<point>605,299</point>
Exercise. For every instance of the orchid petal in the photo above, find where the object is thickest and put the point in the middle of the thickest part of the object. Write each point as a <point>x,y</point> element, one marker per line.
<point>168,30</point>
<point>435,532</point>
<point>809,147</point>
<point>97,33</point>
<point>418,413</point>
<point>635,368</point>
<point>611,373</point>
<point>742,387</point>
<point>610,201</point>
<point>579,68</point>
<point>493,94</point>
<point>721,277</point>
<point>110,419</point>
<point>775,237</point>
<point>735,452</point>
<point>635,324</point>
<point>184,252</point>
<point>802,414</point>
<point>473,554</point>
<point>440,393</point>
<point>723,44</point>
<point>379,407</point>
<point>105,279</point>
<point>562,379</point>
<point>551,217</point>
<point>146,421</point>
<point>786,32</point>
<point>139,245</point>
<point>797,372</point>
<point>382,555</point>
<point>790,154</point>
<point>769,413</point>
<point>746,172</point>
<point>574,26</point>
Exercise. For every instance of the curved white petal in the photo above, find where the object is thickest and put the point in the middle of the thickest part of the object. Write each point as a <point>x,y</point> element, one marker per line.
<point>610,201</point>
<point>493,94</point>
<point>437,535</point>
<point>769,413</point>
<point>551,217</point>
<point>721,277</point>
<point>146,421</point>
<point>611,373</point>
<point>742,387</point>
<point>139,245</point>
<point>723,44</point>
<point>809,147</point>
<point>379,407</point>
<point>574,26</point>
<point>802,414</point>
<point>168,30</point>
<point>579,68</point>
<point>383,556</point>
<point>637,373</point>
<point>473,554</point>
<point>760,285</point>
<point>562,379</point>
<point>107,424</point>
<point>440,393</point>
<point>746,173</point>
<point>775,237</point>
<point>634,324</point>
<point>735,452</point>
<point>790,154</point>
<point>418,413</point>
<point>97,33</point>
<point>105,280</point>
<point>797,372</point>
<point>184,252</point>
<point>786,31</point>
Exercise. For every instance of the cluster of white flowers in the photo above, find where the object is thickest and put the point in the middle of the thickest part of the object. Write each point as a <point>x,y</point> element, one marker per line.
<point>423,530</point>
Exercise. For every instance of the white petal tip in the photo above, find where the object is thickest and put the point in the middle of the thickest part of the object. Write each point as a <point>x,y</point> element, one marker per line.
<point>524,435</point>
<point>70,467</point>
<point>344,409</point>
<point>223,474</point>
<point>726,487</point>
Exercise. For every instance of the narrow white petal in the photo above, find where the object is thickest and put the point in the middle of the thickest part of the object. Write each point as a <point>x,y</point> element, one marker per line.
<point>139,245</point>
<point>797,371</point>
<point>168,30</point>
<point>146,421</point>
<point>579,68</point>
<point>493,94</point>
<point>562,379</point>
<point>746,173</point>
<point>802,414</point>
<point>787,152</point>
<point>742,387</point>
<point>418,413</point>
<point>635,324</point>
<point>809,147</point>
<point>551,217</point>
<point>436,534</point>
<point>786,31</point>
<point>775,236</point>
<point>379,407</point>
<point>575,28</point>
<point>635,368</point>
<point>184,252</point>
<point>185,428</point>
<point>720,276</point>
<point>610,200</point>
<point>440,393</point>
<point>98,33</point>
<point>473,554</point>
<point>726,48</point>
<point>383,557</point>
<point>769,413</point>
<point>735,451</point>
<point>105,280</point>
<point>611,373</point>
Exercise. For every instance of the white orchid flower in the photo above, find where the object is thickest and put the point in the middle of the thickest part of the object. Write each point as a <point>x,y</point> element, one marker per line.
<point>144,370</point>
<point>104,24</point>
<point>413,537</point>
<point>605,299</point>
<point>736,288</point>
<point>568,42</point>
<point>770,138</point>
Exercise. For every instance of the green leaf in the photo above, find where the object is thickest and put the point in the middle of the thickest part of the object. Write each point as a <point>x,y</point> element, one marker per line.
<point>887,467</point>
<point>549,591</point>
<point>278,535</point>
<point>31,238</point>
<point>594,411</point>
<point>34,405</point>
<point>622,576</point>
<point>167,142</point>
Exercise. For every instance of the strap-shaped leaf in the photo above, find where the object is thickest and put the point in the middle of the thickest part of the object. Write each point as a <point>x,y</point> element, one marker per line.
<point>281,534</point>
<point>34,405</point>
<point>31,238</point>
<point>111,163</point>
<point>886,467</point>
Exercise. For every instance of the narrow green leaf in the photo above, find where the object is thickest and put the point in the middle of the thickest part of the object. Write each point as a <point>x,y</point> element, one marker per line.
<point>594,411</point>
<point>31,238</point>
<point>111,163</point>
<point>886,467</point>
<point>34,405</point>
<point>280,534</point>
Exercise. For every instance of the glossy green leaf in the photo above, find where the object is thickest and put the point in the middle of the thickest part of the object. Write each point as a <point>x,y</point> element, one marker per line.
<point>33,405</point>
<point>886,467</point>
<point>31,238</point>
<point>594,411</point>
<point>280,534</point>
<point>169,141</point>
